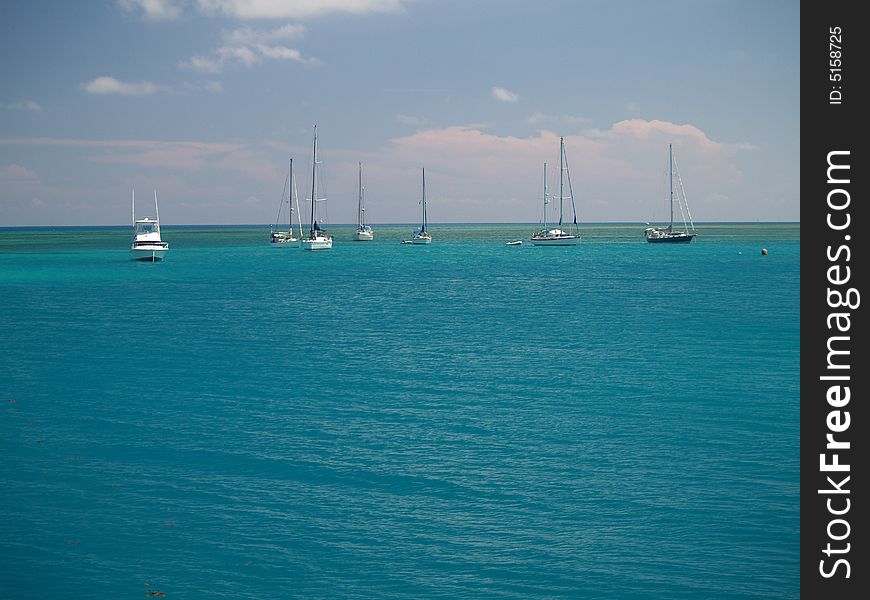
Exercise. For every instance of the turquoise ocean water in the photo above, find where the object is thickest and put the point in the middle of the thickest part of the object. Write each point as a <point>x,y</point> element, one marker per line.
<point>468,419</point>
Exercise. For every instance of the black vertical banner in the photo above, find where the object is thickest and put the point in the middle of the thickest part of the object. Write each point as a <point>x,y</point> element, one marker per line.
<point>834,266</point>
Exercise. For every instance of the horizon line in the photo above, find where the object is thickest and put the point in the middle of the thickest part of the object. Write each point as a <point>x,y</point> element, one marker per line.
<point>414,224</point>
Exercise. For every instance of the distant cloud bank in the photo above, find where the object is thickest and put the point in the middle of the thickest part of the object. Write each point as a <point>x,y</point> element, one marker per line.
<point>476,175</point>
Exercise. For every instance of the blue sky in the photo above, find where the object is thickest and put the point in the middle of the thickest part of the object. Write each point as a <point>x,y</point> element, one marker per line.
<point>205,100</point>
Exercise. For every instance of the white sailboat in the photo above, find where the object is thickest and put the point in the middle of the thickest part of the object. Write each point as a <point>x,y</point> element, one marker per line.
<point>280,238</point>
<point>317,238</point>
<point>363,232</point>
<point>667,235</point>
<point>147,244</point>
<point>556,236</point>
<point>422,235</point>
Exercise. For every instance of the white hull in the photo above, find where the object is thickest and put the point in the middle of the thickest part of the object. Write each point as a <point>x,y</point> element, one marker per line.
<point>285,243</point>
<point>569,240</point>
<point>421,240</point>
<point>147,245</point>
<point>363,236</point>
<point>148,254</point>
<point>317,244</point>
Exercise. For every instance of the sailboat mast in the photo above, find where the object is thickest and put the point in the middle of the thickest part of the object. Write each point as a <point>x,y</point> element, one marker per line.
<point>671,180</point>
<point>290,198</point>
<point>134,207</point>
<point>157,210</point>
<point>424,199</point>
<point>359,212</point>
<point>561,174</point>
<point>313,180</point>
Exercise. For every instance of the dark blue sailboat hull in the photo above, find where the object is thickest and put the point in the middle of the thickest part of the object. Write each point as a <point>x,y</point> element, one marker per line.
<point>684,238</point>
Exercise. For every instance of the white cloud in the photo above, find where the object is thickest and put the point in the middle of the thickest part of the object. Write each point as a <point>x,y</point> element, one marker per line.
<point>203,64</point>
<point>248,47</point>
<point>616,173</point>
<point>284,53</point>
<point>167,10</point>
<point>247,35</point>
<point>246,56</point>
<point>154,10</point>
<point>295,9</point>
<point>28,105</point>
<point>643,129</point>
<point>110,85</point>
<point>238,54</point>
<point>500,93</point>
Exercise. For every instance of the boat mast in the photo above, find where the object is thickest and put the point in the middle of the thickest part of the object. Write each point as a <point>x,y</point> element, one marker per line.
<point>157,210</point>
<point>561,172</point>
<point>423,230</point>
<point>359,209</point>
<point>671,180</point>
<point>134,207</point>
<point>290,199</point>
<point>313,180</point>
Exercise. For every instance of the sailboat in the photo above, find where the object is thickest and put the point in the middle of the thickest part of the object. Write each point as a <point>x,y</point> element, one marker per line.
<point>279,238</point>
<point>363,232</point>
<point>147,245</point>
<point>422,236</point>
<point>317,238</point>
<point>556,236</point>
<point>658,235</point>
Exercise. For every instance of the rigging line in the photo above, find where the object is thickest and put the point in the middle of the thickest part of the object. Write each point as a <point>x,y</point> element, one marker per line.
<point>571,193</point>
<point>281,205</point>
<point>683,192</point>
<point>682,212</point>
<point>298,210</point>
<point>679,200</point>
